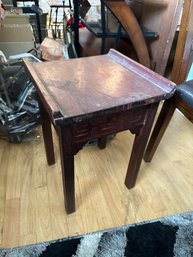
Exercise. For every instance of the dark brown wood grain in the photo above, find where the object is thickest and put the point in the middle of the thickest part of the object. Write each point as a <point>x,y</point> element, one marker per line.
<point>67,163</point>
<point>100,84</point>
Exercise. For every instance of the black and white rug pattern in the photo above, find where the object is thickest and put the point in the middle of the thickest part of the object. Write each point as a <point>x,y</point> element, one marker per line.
<point>168,237</point>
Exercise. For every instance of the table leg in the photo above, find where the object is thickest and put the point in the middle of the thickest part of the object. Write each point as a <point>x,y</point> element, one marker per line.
<point>139,147</point>
<point>47,134</point>
<point>67,164</point>
<point>102,142</point>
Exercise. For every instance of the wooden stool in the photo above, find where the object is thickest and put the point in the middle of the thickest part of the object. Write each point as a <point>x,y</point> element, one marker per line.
<point>92,97</point>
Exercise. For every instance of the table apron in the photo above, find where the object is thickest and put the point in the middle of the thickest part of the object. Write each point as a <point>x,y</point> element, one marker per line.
<point>105,125</point>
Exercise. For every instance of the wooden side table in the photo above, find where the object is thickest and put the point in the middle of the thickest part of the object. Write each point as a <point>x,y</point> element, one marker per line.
<point>90,98</point>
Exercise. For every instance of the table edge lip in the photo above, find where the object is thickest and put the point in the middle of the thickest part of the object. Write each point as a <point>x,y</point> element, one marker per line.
<point>57,113</point>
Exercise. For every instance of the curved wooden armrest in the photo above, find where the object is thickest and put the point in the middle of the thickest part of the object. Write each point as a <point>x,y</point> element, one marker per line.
<point>128,20</point>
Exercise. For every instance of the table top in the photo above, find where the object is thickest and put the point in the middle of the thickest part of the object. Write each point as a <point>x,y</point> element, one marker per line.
<point>77,88</point>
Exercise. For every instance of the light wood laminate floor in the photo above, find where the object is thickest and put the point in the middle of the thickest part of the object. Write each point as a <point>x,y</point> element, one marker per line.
<point>31,197</point>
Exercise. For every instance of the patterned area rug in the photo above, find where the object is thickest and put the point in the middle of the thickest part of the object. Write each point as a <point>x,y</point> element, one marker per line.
<point>168,237</point>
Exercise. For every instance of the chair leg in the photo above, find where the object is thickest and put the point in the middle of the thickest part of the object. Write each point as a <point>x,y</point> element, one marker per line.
<point>164,118</point>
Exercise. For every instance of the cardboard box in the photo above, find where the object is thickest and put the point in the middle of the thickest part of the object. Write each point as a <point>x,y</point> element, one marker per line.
<point>13,48</point>
<point>16,35</point>
<point>12,18</point>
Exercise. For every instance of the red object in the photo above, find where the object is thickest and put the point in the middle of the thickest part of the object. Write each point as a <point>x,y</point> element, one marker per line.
<point>71,20</point>
<point>2,11</point>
